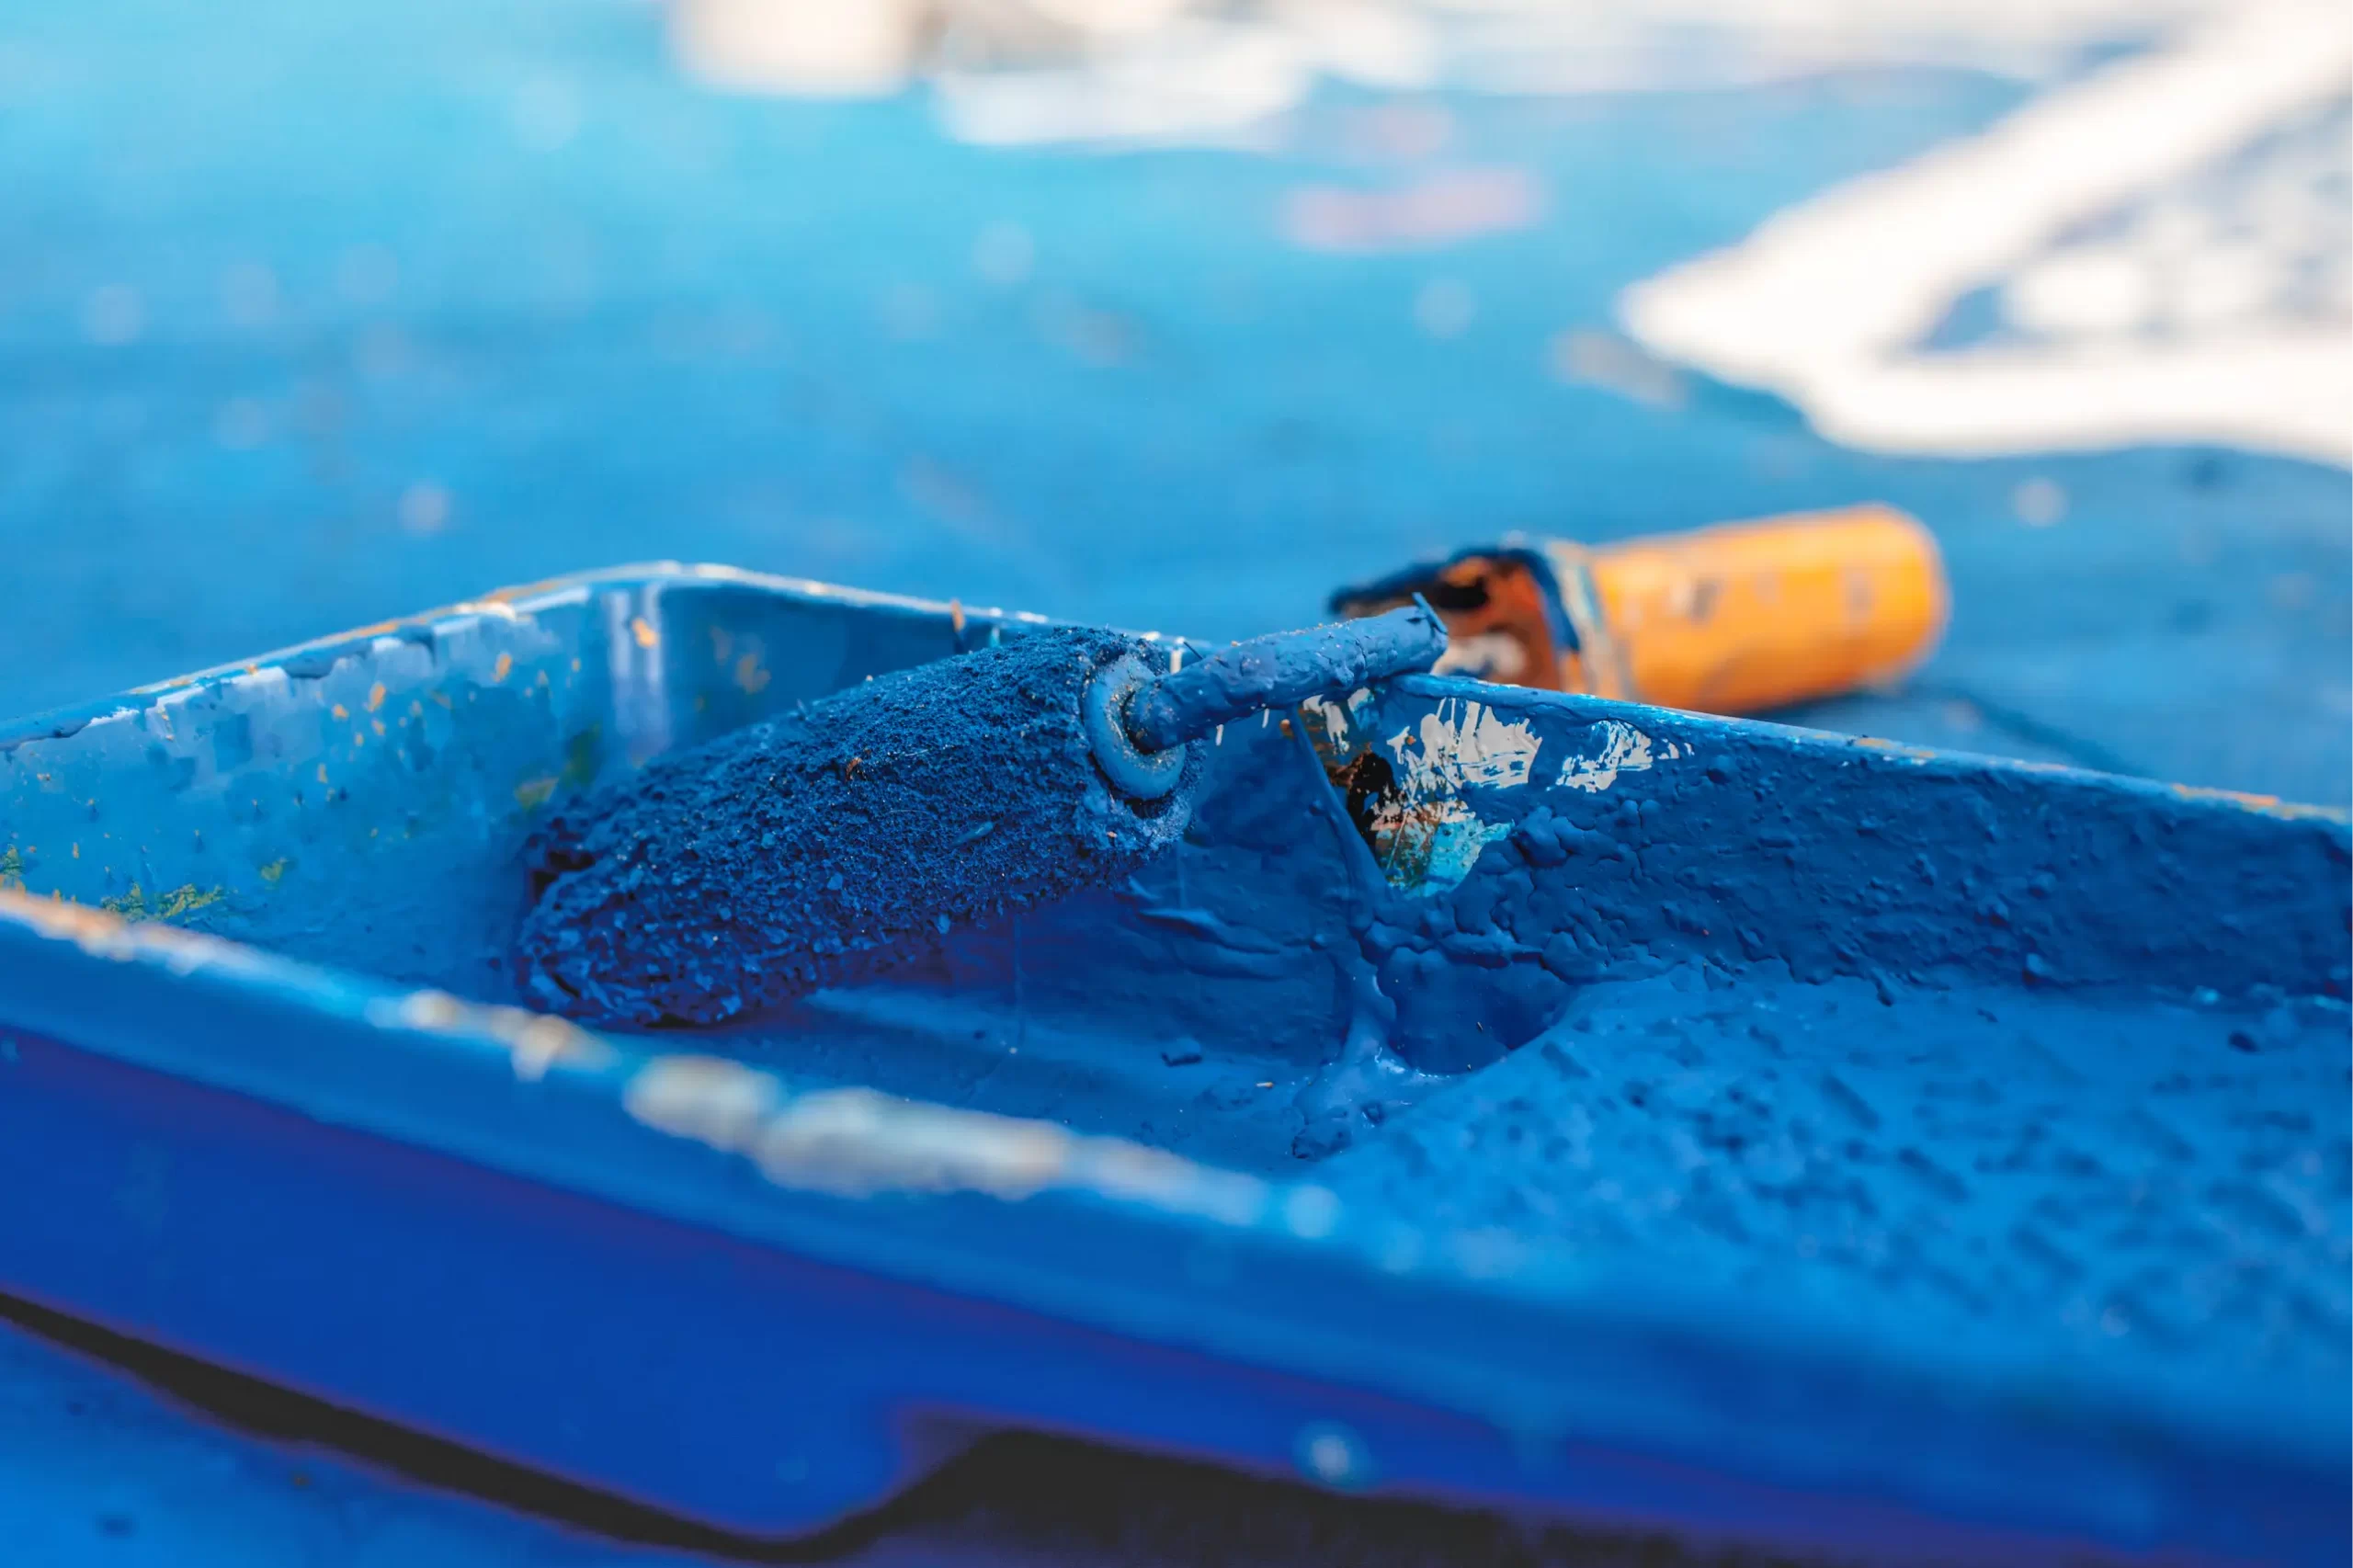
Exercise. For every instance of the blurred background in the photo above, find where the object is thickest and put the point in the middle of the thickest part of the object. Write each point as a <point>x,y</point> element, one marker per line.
<point>1168,314</point>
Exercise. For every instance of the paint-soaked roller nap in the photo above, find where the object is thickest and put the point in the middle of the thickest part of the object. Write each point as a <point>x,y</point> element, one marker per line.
<point>817,847</point>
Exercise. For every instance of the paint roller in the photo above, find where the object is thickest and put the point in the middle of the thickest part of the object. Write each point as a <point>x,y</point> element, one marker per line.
<point>862,830</point>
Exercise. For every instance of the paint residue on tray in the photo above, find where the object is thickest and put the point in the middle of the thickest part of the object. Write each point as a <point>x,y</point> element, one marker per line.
<point>2147,1178</point>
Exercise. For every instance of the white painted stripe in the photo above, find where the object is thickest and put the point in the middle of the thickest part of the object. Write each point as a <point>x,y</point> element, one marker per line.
<point>1825,301</point>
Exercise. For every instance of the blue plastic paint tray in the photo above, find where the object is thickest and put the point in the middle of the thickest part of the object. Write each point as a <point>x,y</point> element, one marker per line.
<point>1501,1097</point>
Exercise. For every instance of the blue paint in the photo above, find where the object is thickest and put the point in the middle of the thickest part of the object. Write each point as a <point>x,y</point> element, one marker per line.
<point>1281,670</point>
<point>1134,771</point>
<point>817,849</point>
<point>670,335</point>
<point>1752,1095</point>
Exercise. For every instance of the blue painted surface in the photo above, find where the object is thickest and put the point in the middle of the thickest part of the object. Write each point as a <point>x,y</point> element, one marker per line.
<point>753,332</point>
<point>2015,1129</point>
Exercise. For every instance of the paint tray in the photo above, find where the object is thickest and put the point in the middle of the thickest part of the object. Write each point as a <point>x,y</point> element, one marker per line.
<point>1503,1097</point>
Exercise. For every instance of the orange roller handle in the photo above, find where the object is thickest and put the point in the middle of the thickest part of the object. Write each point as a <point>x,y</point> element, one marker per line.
<point>1732,619</point>
<point>1748,615</point>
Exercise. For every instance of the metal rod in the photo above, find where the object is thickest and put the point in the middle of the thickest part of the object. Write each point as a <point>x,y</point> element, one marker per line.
<point>1279,670</point>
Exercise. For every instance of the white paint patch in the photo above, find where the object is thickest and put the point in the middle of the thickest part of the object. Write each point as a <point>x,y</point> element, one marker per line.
<point>1464,744</point>
<point>1831,303</point>
<point>1335,720</point>
<point>857,1143</point>
<point>1426,836</point>
<point>1623,749</point>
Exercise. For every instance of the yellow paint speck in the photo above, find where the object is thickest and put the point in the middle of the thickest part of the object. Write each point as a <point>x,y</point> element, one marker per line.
<point>749,675</point>
<point>575,666</point>
<point>340,711</point>
<point>532,793</point>
<point>378,724</point>
<point>322,773</point>
<point>504,667</point>
<point>643,629</point>
<point>77,852</point>
<point>375,697</point>
<point>358,739</point>
<point>275,870</point>
<point>443,698</point>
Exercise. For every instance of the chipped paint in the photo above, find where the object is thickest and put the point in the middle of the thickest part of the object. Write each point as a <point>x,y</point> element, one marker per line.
<point>186,899</point>
<point>1429,847</point>
<point>1464,744</point>
<point>1623,749</point>
<point>105,935</point>
<point>858,1143</point>
<point>1423,833</point>
<point>1332,723</point>
<point>2263,805</point>
<point>535,1042</point>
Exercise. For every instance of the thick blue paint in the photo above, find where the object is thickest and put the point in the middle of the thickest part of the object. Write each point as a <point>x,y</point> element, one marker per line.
<point>819,848</point>
<point>823,846</point>
<point>1976,1131</point>
<point>1281,670</point>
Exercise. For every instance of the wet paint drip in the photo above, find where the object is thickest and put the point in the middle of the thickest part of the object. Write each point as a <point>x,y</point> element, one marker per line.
<point>821,847</point>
